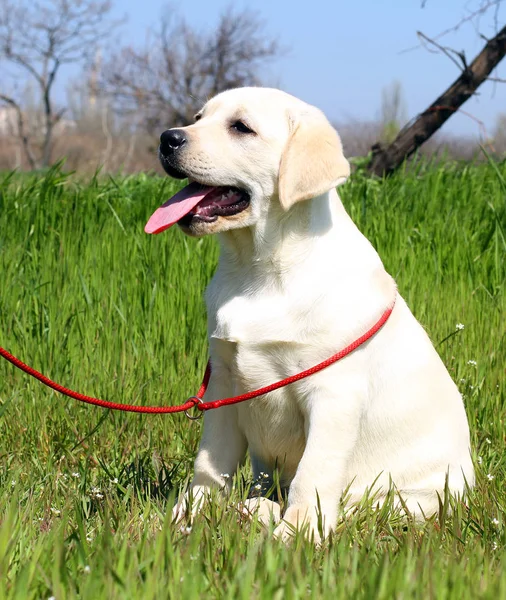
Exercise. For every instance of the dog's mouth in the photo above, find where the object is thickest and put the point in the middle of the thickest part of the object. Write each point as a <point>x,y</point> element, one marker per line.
<point>220,201</point>
<point>198,202</point>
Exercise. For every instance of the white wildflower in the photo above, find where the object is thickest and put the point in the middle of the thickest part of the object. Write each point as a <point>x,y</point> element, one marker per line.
<point>115,480</point>
<point>76,475</point>
<point>459,326</point>
<point>186,530</point>
<point>225,475</point>
<point>473,363</point>
<point>495,521</point>
<point>480,460</point>
<point>87,569</point>
<point>490,477</point>
<point>89,538</point>
<point>494,545</point>
<point>488,440</point>
<point>13,483</point>
<point>55,511</point>
<point>258,486</point>
<point>96,492</point>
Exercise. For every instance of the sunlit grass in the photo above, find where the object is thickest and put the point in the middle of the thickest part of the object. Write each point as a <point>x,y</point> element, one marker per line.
<point>89,299</point>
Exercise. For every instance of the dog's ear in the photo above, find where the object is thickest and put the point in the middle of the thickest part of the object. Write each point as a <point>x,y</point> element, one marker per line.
<point>313,161</point>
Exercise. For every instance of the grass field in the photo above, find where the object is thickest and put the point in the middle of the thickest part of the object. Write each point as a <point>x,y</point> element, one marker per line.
<point>89,299</point>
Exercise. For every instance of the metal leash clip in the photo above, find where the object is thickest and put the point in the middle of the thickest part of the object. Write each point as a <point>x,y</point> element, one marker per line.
<point>201,412</point>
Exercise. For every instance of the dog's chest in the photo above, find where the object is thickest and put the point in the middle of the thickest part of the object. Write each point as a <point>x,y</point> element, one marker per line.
<point>265,317</point>
<point>243,320</point>
<point>274,424</point>
<point>261,338</point>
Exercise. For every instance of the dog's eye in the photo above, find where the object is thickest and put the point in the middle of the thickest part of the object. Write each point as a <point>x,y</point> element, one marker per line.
<point>241,127</point>
<point>197,117</point>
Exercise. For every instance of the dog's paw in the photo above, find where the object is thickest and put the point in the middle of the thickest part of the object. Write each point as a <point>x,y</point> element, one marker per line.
<point>180,512</point>
<point>189,506</point>
<point>264,510</point>
<point>285,532</point>
<point>298,520</point>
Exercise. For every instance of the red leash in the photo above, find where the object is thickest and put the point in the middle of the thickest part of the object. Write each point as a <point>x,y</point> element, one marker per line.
<point>197,400</point>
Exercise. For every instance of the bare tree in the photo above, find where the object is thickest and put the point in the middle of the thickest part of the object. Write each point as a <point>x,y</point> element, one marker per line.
<point>37,39</point>
<point>385,159</point>
<point>169,79</point>
<point>499,139</point>
<point>393,111</point>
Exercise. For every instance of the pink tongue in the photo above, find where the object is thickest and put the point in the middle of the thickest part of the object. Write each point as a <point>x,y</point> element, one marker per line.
<point>176,207</point>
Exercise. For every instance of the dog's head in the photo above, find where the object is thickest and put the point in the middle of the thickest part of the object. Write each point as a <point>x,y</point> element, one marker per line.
<point>248,147</point>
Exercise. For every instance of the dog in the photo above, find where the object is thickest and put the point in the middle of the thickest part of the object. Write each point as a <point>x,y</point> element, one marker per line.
<point>295,283</point>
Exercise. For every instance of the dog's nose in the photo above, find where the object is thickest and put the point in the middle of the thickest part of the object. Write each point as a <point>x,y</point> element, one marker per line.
<point>171,140</point>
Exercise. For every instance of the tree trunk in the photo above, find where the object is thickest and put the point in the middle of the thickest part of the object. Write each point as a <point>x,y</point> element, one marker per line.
<point>385,160</point>
<point>48,134</point>
<point>50,118</point>
<point>21,132</point>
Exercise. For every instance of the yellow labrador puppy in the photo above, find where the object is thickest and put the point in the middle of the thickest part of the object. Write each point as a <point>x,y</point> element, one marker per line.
<point>296,282</point>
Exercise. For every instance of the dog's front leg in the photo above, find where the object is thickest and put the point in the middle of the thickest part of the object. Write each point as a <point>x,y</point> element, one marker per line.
<point>314,493</point>
<point>222,448</point>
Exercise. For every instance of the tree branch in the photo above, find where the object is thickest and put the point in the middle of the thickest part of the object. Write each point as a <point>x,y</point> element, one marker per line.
<point>462,66</point>
<point>386,160</point>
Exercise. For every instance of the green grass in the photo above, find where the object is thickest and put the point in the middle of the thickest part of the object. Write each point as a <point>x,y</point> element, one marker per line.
<point>89,299</point>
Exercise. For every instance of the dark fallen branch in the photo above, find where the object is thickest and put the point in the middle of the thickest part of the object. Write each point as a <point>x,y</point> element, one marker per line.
<point>386,159</point>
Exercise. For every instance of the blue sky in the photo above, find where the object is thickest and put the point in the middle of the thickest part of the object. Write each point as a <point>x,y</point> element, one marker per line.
<point>342,53</point>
